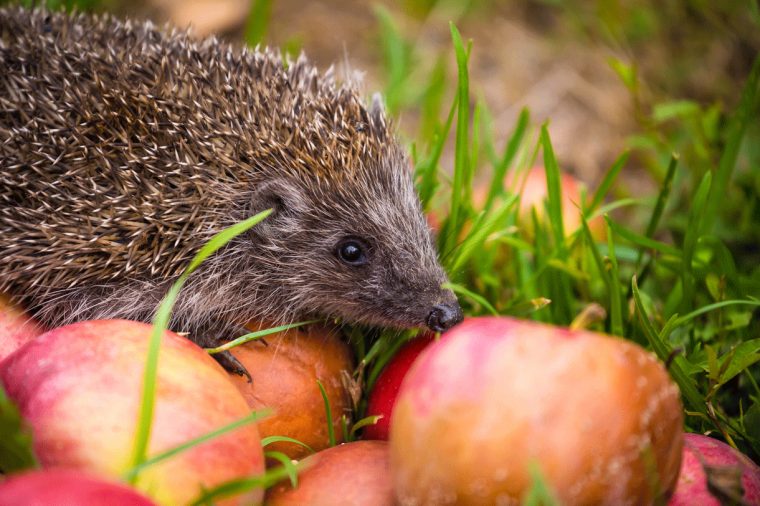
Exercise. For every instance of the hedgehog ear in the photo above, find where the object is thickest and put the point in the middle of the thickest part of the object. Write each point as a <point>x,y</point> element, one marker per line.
<point>283,197</point>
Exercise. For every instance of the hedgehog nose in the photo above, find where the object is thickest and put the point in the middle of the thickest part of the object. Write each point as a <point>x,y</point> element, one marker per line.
<point>444,316</point>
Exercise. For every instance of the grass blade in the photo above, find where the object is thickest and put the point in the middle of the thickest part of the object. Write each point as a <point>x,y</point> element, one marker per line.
<point>484,227</point>
<point>475,141</point>
<point>284,439</point>
<point>382,352</point>
<point>258,22</point>
<point>595,254</point>
<point>606,184</point>
<point>663,350</point>
<point>367,420</point>
<point>736,130</point>
<point>472,295</point>
<point>287,464</point>
<point>257,335</point>
<point>741,357</point>
<point>529,306</point>
<point>328,413</point>
<point>559,284</point>
<point>427,171</point>
<point>16,449</point>
<point>514,143</point>
<point>711,307</point>
<point>241,485</point>
<point>539,493</point>
<point>644,241</point>
<point>187,445</point>
<point>662,198</point>
<point>614,288</point>
<point>616,291</point>
<point>554,192</point>
<point>461,156</point>
<point>659,208</point>
<point>432,99</point>
<point>396,55</point>
<point>222,238</point>
<point>696,217</point>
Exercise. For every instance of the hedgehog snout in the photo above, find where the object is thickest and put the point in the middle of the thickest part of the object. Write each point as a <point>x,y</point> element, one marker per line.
<point>444,316</point>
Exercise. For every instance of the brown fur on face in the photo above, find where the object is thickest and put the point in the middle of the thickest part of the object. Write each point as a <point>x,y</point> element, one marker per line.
<point>123,148</point>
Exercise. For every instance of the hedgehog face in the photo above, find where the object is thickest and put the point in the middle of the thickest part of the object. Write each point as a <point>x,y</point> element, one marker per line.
<point>358,248</point>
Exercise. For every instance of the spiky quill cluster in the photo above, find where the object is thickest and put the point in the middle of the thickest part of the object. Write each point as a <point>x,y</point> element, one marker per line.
<point>124,147</point>
<point>230,106</point>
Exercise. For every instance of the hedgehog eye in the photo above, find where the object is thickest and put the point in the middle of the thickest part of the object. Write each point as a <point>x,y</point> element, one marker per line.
<point>352,252</point>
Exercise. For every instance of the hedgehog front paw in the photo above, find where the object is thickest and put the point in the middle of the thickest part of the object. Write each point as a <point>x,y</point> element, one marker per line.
<point>232,365</point>
<point>212,335</point>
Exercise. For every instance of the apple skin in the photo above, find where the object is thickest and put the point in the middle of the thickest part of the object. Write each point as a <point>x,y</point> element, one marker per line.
<point>79,388</point>
<point>692,482</point>
<point>66,487</point>
<point>355,473</point>
<point>16,327</point>
<point>285,373</point>
<point>495,396</point>
<point>383,396</point>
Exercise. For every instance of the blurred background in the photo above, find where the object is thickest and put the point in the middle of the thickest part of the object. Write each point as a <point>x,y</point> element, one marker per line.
<point>603,71</point>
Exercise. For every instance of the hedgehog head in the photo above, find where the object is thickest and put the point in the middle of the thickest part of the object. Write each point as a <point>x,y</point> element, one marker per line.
<point>360,249</point>
<point>347,237</point>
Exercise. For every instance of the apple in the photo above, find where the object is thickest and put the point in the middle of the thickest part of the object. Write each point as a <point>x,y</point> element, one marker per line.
<point>496,398</point>
<point>285,371</point>
<point>352,473</point>
<point>79,388</point>
<point>66,487</point>
<point>383,396</point>
<point>16,327</point>
<point>531,187</point>
<point>533,193</point>
<point>731,472</point>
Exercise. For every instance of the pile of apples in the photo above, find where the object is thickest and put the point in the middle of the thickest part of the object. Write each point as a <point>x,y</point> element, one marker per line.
<point>79,389</point>
<point>475,417</point>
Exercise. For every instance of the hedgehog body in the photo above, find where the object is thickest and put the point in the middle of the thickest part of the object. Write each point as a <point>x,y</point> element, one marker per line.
<point>124,147</point>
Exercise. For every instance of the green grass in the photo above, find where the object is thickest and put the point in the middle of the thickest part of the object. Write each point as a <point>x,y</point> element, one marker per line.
<point>540,494</point>
<point>328,414</point>
<point>132,474</point>
<point>258,22</point>
<point>259,334</point>
<point>16,452</point>
<point>678,271</point>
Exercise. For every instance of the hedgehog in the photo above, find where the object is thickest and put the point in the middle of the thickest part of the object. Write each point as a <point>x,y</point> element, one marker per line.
<point>125,146</point>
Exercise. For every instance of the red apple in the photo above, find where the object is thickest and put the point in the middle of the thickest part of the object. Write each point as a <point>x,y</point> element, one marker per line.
<point>66,487</point>
<point>383,396</point>
<point>531,187</point>
<point>355,473</point>
<point>533,192</point>
<point>495,397</point>
<point>731,472</point>
<point>285,373</point>
<point>16,327</point>
<point>79,388</point>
